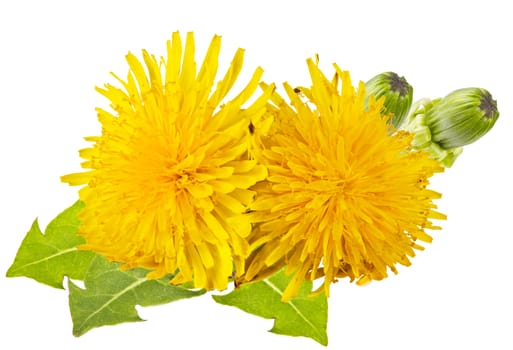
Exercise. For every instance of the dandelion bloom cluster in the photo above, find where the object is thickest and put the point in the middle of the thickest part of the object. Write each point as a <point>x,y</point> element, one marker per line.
<point>169,177</point>
<point>184,181</point>
<point>346,195</point>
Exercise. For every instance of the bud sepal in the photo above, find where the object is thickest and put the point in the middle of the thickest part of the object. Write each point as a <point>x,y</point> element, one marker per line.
<point>423,140</point>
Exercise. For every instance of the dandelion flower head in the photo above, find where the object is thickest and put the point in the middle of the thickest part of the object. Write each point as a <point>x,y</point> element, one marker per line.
<point>168,180</point>
<point>346,196</point>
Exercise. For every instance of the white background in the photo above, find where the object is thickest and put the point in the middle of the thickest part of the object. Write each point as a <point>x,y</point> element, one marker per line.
<point>456,295</point>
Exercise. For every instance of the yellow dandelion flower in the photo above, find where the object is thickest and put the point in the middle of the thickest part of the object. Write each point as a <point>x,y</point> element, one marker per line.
<point>344,197</point>
<point>168,180</point>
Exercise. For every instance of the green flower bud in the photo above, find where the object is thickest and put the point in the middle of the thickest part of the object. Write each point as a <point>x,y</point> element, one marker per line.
<point>398,95</point>
<point>443,126</point>
<point>462,117</point>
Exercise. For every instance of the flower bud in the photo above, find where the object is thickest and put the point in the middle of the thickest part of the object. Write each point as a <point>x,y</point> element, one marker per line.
<point>398,95</point>
<point>461,117</point>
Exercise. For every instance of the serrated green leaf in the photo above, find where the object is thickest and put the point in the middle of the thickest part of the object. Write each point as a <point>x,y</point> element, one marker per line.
<point>302,316</point>
<point>48,258</point>
<point>110,295</point>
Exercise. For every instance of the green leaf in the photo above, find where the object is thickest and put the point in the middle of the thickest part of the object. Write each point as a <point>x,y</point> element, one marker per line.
<point>48,258</point>
<point>110,295</point>
<point>302,316</point>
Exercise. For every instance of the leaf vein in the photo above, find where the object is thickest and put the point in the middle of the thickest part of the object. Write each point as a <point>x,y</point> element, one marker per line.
<point>114,298</point>
<point>62,252</point>
<point>280,292</point>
